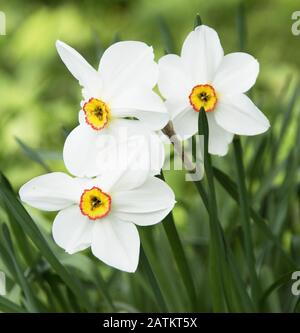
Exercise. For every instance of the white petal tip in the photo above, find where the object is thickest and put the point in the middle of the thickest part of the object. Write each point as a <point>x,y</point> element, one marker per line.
<point>62,47</point>
<point>59,43</point>
<point>128,267</point>
<point>130,270</point>
<point>69,251</point>
<point>220,154</point>
<point>264,128</point>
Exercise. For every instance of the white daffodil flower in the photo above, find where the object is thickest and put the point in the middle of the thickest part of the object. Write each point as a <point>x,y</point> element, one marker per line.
<point>203,77</point>
<point>101,212</point>
<point>122,88</point>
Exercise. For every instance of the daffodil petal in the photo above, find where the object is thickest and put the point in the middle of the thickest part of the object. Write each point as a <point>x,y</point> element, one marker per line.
<point>186,123</point>
<point>51,192</point>
<point>149,204</point>
<point>72,231</point>
<point>116,243</point>
<point>81,118</point>
<point>151,196</point>
<point>139,157</point>
<point>176,106</point>
<point>127,64</point>
<point>87,76</point>
<point>236,74</point>
<point>120,179</point>
<point>239,115</point>
<point>219,138</point>
<point>144,104</point>
<point>81,150</point>
<point>145,219</point>
<point>149,148</point>
<point>202,54</point>
<point>174,81</point>
<point>89,153</point>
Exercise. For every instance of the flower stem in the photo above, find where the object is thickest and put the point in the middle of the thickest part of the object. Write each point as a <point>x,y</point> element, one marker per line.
<point>153,282</point>
<point>168,130</point>
<point>245,212</point>
<point>171,231</point>
<point>180,258</point>
<point>216,244</point>
<point>210,203</point>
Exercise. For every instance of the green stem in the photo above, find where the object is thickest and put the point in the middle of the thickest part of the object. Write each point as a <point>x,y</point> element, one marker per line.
<point>245,212</point>
<point>103,288</point>
<point>153,282</point>
<point>216,243</point>
<point>229,265</point>
<point>180,258</point>
<point>202,193</point>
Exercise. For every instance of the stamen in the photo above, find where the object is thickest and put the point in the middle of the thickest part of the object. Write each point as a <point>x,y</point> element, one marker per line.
<point>94,203</point>
<point>203,95</point>
<point>97,113</point>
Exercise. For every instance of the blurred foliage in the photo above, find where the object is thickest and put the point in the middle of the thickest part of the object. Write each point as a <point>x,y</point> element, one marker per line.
<point>39,101</point>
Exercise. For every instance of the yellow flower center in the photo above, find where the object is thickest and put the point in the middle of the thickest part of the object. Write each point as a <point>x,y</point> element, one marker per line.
<point>97,113</point>
<point>94,203</point>
<point>203,95</point>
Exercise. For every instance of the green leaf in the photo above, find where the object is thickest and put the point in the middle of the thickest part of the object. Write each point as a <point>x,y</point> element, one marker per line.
<point>198,21</point>
<point>154,243</point>
<point>152,280</point>
<point>32,154</point>
<point>26,288</point>
<point>241,176</point>
<point>166,36</point>
<point>223,266</point>
<point>9,307</point>
<point>180,257</point>
<point>281,281</point>
<point>241,26</point>
<point>245,218</point>
<point>230,186</point>
<point>296,304</point>
<point>256,162</point>
<point>216,250</point>
<point>22,242</point>
<point>30,228</point>
<point>287,117</point>
<point>117,38</point>
<point>103,288</point>
<point>244,303</point>
<point>267,183</point>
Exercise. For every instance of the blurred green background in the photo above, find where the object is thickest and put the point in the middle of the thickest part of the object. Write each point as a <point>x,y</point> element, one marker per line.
<point>39,103</point>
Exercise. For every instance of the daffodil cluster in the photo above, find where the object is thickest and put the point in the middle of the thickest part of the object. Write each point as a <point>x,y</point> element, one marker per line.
<point>116,151</point>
